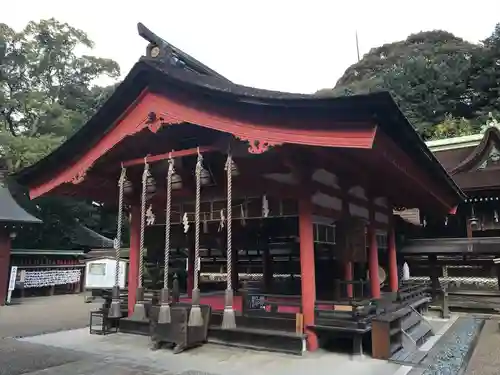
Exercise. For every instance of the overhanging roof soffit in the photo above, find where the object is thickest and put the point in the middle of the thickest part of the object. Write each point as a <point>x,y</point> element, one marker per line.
<point>154,111</point>
<point>486,155</point>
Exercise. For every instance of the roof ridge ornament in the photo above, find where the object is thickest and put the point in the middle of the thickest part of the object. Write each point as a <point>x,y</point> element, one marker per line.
<point>157,47</point>
<point>160,50</point>
<point>490,123</point>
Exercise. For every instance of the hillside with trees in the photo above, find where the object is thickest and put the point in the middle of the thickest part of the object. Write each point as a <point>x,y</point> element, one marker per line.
<point>444,85</point>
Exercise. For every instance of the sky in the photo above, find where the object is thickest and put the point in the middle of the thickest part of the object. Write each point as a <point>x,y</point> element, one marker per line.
<point>295,45</point>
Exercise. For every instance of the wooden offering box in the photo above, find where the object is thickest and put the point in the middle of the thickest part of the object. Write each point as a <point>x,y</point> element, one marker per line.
<point>387,334</point>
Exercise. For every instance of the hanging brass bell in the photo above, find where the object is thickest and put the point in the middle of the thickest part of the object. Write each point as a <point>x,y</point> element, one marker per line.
<point>205,178</point>
<point>176,181</point>
<point>128,188</point>
<point>234,169</point>
<point>474,223</point>
<point>150,185</point>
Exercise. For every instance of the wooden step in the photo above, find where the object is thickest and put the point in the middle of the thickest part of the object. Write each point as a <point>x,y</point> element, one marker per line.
<point>412,320</point>
<point>258,339</point>
<point>408,357</point>
<point>420,333</point>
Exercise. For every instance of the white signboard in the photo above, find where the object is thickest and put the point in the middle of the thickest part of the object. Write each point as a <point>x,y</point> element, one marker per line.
<point>12,282</point>
<point>100,273</point>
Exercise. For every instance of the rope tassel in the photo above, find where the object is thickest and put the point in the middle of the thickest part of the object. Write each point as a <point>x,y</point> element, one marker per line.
<point>139,310</point>
<point>229,319</point>
<point>115,308</point>
<point>195,317</point>
<point>164,315</point>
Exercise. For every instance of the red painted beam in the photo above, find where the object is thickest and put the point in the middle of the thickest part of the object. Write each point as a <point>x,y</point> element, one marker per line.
<point>175,113</point>
<point>174,154</point>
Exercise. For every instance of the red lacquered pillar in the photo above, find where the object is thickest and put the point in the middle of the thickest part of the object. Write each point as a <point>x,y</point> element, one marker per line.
<point>348,277</point>
<point>393,264</point>
<point>133,267</point>
<point>307,271</point>
<point>373,262</point>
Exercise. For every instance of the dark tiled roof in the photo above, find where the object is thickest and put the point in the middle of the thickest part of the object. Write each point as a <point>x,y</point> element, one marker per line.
<point>171,68</point>
<point>11,212</point>
<point>86,237</point>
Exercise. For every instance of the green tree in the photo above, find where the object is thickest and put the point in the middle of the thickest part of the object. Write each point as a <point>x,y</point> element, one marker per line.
<point>428,74</point>
<point>47,92</point>
<point>453,127</point>
<point>485,76</point>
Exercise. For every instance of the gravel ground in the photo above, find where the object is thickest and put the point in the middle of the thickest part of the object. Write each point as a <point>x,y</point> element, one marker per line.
<point>21,357</point>
<point>34,316</point>
<point>486,357</point>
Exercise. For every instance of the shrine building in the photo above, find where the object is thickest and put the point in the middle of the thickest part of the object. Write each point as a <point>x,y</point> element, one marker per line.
<point>241,180</point>
<point>462,248</point>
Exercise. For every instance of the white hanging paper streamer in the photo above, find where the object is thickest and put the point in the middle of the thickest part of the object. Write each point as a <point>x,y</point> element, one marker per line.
<point>222,219</point>
<point>198,264</point>
<point>185,222</point>
<point>205,223</point>
<point>38,279</point>
<point>150,216</point>
<point>265,206</point>
<point>446,221</point>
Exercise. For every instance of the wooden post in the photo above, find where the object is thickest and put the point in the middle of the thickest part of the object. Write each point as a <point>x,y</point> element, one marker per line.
<point>267,265</point>
<point>445,310</point>
<point>373,262</point>
<point>434,270</point>
<point>307,271</point>
<point>4,264</point>
<point>497,266</point>
<point>234,266</point>
<point>133,270</point>
<point>393,263</point>
<point>348,277</point>
<point>191,267</point>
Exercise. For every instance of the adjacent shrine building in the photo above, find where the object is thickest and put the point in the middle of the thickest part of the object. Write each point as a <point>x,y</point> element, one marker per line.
<point>464,245</point>
<point>270,165</point>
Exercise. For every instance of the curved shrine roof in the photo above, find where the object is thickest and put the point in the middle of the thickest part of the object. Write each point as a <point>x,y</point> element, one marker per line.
<point>165,68</point>
<point>473,161</point>
<point>11,212</point>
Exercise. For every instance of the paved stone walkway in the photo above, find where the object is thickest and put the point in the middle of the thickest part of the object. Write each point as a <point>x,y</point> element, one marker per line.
<point>70,349</point>
<point>125,350</point>
<point>486,357</point>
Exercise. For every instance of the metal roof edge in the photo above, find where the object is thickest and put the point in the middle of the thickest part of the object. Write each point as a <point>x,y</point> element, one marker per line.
<point>46,252</point>
<point>454,142</point>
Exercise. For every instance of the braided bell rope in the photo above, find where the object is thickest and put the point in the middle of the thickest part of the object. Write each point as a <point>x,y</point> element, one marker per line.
<point>167,221</point>
<point>229,245</point>
<point>118,241</point>
<point>145,175</point>
<point>199,167</point>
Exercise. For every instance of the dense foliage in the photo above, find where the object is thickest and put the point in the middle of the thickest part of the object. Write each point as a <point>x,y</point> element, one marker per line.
<point>47,92</point>
<point>444,85</point>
